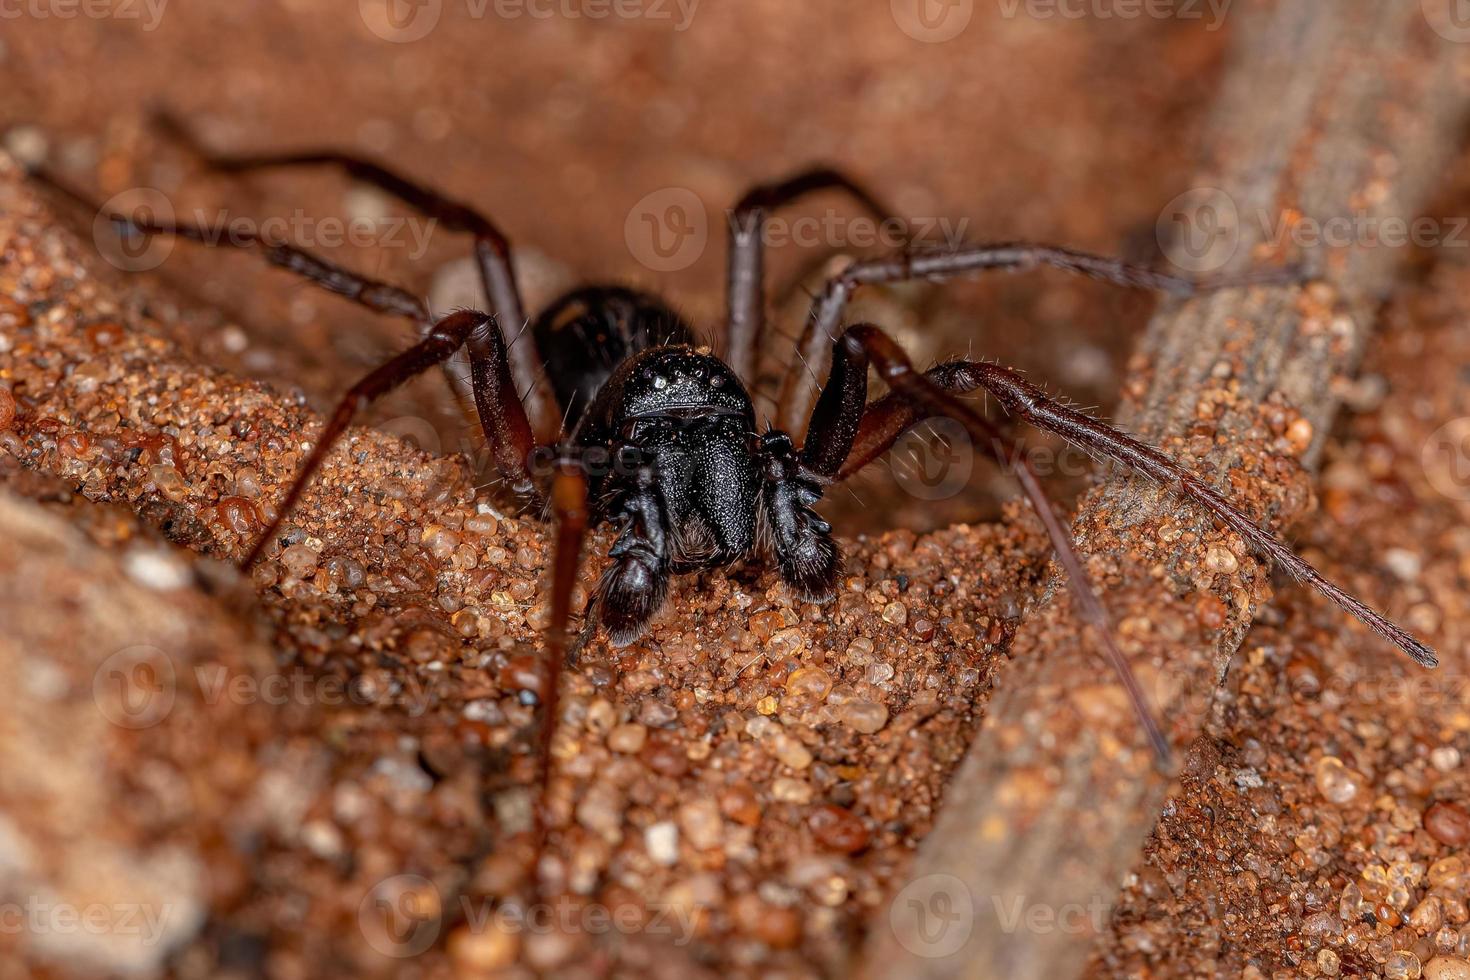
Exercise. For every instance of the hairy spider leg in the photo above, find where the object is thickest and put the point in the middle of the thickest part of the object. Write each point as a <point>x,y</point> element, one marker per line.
<point>745,295</point>
<point>492,247</point>
<point>813,350</point>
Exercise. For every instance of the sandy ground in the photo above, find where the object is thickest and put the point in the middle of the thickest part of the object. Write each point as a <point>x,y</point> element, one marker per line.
<point>758,771</point>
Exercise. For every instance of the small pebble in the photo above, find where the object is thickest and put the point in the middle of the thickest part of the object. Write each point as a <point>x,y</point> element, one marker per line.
<point>839,829</point>
<point>1447,968</point>
<point>1401,965</point>
<point>776,926</point>
<point>1447,823</point>
<point>700,820</point>
<point>896,613</point>
<point>812,683</point>
<point>155,569</point>
<point>627,739</point>
<point>787,790</point>
<point>740,804</point>
<point>866,717</point>
<point>485,949</point>
<point>1221,559</point>
<point>299,560</point>
<point>790,752</point>
<point>1335,781</point>
<point>662,841</point>
<point>1445,758</point>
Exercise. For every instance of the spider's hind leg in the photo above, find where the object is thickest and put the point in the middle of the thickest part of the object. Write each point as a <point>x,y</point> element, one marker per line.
<point>492,247</point>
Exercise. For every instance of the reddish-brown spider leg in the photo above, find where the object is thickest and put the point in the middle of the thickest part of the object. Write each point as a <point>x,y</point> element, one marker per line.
<point>887,418</point>
<point>569,509</point>
<point>834,429</point>
<point>745,297</point>
<point>492,248</point>
<point>500,412</point>
<point>826,313</point>
<point>502,415</point>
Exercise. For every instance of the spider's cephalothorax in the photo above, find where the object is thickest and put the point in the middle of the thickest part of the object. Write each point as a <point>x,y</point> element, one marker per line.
<point>665,433</point>
<point>660,436</point>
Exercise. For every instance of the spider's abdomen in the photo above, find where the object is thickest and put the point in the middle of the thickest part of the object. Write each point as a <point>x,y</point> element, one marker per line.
<point>586,334</point>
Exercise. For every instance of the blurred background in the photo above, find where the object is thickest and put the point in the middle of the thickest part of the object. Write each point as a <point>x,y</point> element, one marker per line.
<point>577,125</point>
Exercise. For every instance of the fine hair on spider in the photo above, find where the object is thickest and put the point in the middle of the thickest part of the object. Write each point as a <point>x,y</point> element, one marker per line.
<point>659,436</point>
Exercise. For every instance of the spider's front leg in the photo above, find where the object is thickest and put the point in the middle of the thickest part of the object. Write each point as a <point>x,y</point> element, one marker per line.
<point>806,556</point>
<point>835,434</point>
<point>635,585</point>
<point>917,395</point>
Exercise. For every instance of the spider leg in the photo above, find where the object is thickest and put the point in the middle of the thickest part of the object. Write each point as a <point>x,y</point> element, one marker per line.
<point>636,583</point>
<point>834,429</point>
<point>938,266</point>
<point>492,248</point>
<point>569,508</point>
<point>745,297</point>
<point>500,413</point>
<point>886,419</point>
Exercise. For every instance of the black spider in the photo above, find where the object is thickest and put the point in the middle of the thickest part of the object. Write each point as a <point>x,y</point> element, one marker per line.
<point>660,434</point>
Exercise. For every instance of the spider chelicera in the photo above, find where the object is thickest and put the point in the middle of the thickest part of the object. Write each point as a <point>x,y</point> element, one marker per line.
<point>625,418</point>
